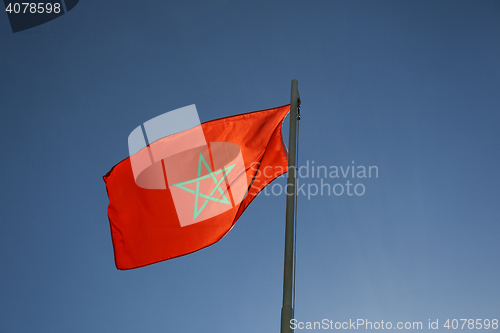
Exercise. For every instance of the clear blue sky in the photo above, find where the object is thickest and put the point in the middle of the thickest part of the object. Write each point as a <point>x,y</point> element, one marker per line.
<point>411,87</point>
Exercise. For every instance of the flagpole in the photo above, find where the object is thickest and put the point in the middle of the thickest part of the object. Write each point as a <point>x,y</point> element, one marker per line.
<point>287,311</point>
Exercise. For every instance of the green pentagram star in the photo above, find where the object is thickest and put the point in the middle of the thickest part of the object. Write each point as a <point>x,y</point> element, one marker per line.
<point>225,171</point>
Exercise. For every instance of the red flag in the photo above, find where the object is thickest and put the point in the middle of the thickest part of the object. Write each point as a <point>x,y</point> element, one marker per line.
<point>205,188</point>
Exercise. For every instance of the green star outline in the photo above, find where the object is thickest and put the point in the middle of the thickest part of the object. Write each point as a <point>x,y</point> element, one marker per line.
<point>197,180</point>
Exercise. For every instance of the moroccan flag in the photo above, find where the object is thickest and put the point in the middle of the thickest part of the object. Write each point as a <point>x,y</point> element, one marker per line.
<point>185,191</point>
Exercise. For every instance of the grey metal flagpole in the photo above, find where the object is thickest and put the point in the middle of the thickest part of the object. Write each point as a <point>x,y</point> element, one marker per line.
<point>288,275</point>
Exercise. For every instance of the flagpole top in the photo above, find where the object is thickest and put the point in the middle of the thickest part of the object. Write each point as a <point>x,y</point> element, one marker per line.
<point>295,90</point>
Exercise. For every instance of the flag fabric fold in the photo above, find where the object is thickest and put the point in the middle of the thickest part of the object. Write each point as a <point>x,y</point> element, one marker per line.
<point>146,224</point>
